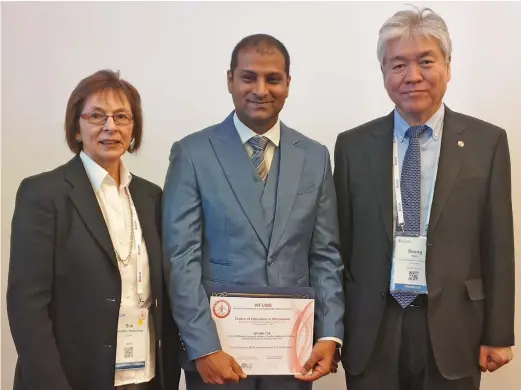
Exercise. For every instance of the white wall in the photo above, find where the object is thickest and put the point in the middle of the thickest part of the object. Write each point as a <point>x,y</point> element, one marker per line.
<point>177,54</point>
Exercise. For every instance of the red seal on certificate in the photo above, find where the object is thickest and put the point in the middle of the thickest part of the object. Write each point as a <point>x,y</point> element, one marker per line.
<point>221,309</point>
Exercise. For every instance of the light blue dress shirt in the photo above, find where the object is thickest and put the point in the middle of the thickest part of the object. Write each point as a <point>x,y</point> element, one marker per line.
<point>430,144</point>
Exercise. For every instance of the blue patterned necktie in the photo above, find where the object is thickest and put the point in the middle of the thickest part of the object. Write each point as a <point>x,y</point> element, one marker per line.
<point>259,145</point>
<point>411,197</point>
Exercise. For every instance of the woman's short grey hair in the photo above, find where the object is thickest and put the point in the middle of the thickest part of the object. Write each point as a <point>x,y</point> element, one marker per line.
<point>416,22</point>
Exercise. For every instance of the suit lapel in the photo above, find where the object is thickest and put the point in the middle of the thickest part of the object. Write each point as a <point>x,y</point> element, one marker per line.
<point>84,199</point>
<point>237,168</point>
<point>145,211</point>
<point>380,153</point>
<point>448,167</point>
<point>290,171</point>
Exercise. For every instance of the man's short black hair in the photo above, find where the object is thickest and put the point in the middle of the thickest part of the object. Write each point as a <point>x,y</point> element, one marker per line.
<point>257,40</point>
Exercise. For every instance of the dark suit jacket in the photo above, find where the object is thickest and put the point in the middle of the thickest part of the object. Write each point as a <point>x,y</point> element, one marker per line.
<point>64,288</point>
<point>470,248</point>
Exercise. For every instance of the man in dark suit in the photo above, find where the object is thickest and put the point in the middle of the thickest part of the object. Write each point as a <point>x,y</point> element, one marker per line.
<point>429,261</point>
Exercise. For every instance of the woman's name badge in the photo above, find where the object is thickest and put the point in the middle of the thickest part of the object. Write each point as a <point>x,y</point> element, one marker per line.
<point>408,271</point>
<point>132,338</point>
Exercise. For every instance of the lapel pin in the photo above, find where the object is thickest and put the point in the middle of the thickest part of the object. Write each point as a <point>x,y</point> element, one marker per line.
<point>461,144</point>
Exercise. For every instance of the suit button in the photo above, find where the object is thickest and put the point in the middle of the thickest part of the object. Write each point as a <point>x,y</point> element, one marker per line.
<point>157,303</point>
<point>270,261</point>
<point>159,344</point>
<point>383,295</point>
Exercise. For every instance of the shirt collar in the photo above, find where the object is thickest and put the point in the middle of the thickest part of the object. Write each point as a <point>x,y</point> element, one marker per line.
<point>98,175</point>
<point>435,124</point>
<point>246,133</point>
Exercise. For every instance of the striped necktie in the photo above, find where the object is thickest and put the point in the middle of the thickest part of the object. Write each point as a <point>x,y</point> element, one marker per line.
<point>259,144</point>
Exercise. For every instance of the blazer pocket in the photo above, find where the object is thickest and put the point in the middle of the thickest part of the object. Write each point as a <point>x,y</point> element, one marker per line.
<point>473,184</point>
<point>307,189</point>
<point>220,262</point>
<point>213,280</point>
<point>475,289</point>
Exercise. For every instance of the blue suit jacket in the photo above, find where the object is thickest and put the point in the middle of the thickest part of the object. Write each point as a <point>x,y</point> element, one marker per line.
<point>214,229</point>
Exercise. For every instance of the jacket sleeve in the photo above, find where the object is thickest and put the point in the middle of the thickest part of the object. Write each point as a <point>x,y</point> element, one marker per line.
<point>29,289</point>
<point>498,252</point>
<point>325,261</point>
<point>182,247</point>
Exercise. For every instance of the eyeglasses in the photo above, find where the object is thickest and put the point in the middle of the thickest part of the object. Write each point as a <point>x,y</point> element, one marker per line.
<point>97,118</point>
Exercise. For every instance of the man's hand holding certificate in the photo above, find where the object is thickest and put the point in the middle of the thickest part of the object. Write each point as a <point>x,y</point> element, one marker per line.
<point>322,361</point>
<point>219,368</point>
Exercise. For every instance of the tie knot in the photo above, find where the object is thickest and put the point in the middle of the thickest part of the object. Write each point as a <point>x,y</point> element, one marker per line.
<point>415,131</point>
<point>258,142</point>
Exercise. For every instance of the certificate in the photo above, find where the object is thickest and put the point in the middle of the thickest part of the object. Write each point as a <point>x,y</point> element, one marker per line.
<point>268,331</point>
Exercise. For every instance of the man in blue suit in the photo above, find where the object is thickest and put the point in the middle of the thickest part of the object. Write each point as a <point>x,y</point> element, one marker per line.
<point>252,202</point>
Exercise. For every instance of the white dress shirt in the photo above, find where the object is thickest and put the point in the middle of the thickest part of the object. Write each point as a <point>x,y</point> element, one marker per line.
<point>273,134</point>
<point>114,206</point>
<point>430,146</point>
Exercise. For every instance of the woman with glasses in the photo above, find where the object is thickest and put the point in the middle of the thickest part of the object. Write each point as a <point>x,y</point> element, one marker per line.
<point>85,298</point>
